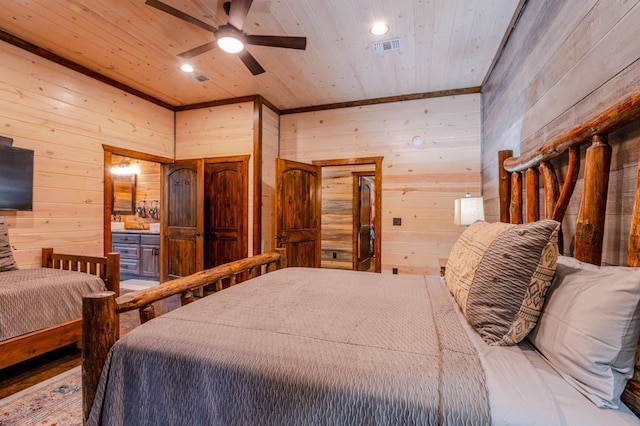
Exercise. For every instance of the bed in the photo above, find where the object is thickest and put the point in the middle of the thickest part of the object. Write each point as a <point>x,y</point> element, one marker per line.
<point>40,308</point>
<point>514,334</point>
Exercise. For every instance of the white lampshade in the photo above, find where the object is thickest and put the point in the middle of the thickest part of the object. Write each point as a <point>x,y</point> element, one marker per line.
<point>468,210</point>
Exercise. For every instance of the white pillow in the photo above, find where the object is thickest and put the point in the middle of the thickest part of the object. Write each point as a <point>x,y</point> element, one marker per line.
<point>589,327</point>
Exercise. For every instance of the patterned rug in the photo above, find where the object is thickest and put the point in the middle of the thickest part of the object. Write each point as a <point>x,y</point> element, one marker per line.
<point>56,401</point>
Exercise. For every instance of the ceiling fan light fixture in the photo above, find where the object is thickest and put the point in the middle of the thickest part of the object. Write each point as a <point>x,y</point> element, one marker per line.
<point>379,28</point>
<point>230,44</point>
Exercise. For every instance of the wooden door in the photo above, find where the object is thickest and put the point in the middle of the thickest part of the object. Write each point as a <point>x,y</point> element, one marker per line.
<point>225,212</point>
<point>362,222</point>
<point>298,212</point>
<point>181,250</point>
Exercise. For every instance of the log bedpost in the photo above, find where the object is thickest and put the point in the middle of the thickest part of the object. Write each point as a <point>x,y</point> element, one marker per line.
<point>515,207</point>
<point>99,333</point>
<point>282,262</point>
<point>591,215</point>
<point>112,274</point>
<point>532,191</point>
<point>633,255</point>
<point>47,257</point>
<point>504,184</point>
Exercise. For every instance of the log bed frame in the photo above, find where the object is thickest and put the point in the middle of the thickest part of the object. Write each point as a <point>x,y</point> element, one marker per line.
<point>100,310</point>
<point>26,346</point>
<point>591,214</point>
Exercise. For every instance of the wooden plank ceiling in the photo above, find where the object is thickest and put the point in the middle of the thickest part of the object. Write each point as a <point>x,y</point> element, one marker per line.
<point>446,44</point>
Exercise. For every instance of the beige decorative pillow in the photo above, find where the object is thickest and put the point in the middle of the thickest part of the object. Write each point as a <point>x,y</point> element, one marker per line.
<point>6,256</point>
<point>499,274</point>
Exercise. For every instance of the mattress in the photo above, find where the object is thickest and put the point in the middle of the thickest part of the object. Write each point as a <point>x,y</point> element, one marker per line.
<point>311,346</point>
<point>33,299</point>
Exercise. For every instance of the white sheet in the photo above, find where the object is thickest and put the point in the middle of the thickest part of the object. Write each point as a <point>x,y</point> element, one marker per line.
<point>525,390</point>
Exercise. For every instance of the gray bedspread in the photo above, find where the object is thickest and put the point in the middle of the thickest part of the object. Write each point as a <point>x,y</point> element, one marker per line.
<point>33,299</point>
<point>300,346</point>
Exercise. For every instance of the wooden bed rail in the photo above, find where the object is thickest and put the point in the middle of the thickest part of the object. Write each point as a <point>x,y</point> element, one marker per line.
<point>614,117</point>
<point>100,311</point>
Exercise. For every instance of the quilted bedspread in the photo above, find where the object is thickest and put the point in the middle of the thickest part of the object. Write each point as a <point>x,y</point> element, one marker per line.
<point>300,346</point>
<point>33,299</point>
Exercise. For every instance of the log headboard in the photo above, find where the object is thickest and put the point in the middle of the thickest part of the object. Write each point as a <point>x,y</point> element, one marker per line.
<point>523,174</point>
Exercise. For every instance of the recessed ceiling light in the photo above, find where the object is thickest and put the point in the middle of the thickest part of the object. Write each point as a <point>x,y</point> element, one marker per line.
<point>379,28</point>
<point>186,68</point>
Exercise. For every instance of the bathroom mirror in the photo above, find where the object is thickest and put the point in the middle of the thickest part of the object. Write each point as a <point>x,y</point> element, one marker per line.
<point>123,194</point>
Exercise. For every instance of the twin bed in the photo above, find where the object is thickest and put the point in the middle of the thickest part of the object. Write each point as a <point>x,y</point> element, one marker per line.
<point>40,308</point>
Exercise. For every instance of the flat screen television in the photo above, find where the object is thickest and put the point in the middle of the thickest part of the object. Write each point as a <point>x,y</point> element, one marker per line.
<point>16,178</point>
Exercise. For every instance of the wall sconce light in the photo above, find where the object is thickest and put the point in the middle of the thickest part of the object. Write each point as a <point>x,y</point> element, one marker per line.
<point>125,169</point>
<point>468,210</point>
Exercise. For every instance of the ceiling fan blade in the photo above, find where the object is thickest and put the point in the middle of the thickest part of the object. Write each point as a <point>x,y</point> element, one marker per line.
<point>277,41</point>
<point>179,14</point>
<point>250,62</point>
<point>192,53</point>
<point>238,12</point>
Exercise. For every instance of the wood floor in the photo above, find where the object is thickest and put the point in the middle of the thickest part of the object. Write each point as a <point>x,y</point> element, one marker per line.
<point>20,376</point>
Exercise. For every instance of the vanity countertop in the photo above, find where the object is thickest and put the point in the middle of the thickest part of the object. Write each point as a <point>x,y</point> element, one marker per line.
<point>135,231</point>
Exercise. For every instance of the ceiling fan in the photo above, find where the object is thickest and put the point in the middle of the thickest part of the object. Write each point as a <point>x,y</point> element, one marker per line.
<point>230,37</point>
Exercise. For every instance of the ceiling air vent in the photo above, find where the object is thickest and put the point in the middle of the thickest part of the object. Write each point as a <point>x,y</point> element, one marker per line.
<point>385,45</point>
<point>201,78</point>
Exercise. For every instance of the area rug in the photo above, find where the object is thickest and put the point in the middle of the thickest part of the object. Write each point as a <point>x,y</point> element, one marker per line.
<point>56,401</point>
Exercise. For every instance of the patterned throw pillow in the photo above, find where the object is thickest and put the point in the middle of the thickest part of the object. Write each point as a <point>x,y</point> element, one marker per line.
<point>6,257</point>
<point>499,274</point>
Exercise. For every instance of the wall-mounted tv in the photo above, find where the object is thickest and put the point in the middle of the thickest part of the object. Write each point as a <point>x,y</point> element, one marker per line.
<point>16,178</point>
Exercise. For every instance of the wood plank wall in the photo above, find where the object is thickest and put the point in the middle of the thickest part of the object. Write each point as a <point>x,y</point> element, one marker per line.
<point>419,185</point>
<point>270,151</point>
<point>564,62</point>
<point>65,117</point>
<point>218,131</point>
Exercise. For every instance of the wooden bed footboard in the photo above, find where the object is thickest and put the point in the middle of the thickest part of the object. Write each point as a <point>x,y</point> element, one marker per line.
<point>589,231</point>
<point>100,310</point>
<point>26,346</point>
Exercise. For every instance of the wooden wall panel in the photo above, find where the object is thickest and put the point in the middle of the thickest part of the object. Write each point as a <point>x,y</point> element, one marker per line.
<point>218,131</point>
<point>565,62</point>
<point>419,185</point>
<point>270,151</point>
<point>65,117</point>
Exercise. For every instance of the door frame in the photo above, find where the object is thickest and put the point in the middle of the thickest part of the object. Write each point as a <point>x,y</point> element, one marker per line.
<point>109,151</point>
<point>356,214</point>
<point>377,173</point>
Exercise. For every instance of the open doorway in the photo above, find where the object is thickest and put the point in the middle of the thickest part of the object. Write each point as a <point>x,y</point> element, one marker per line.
<point>364,231</point>
<point>344,244</point>
<point>133,201</point>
